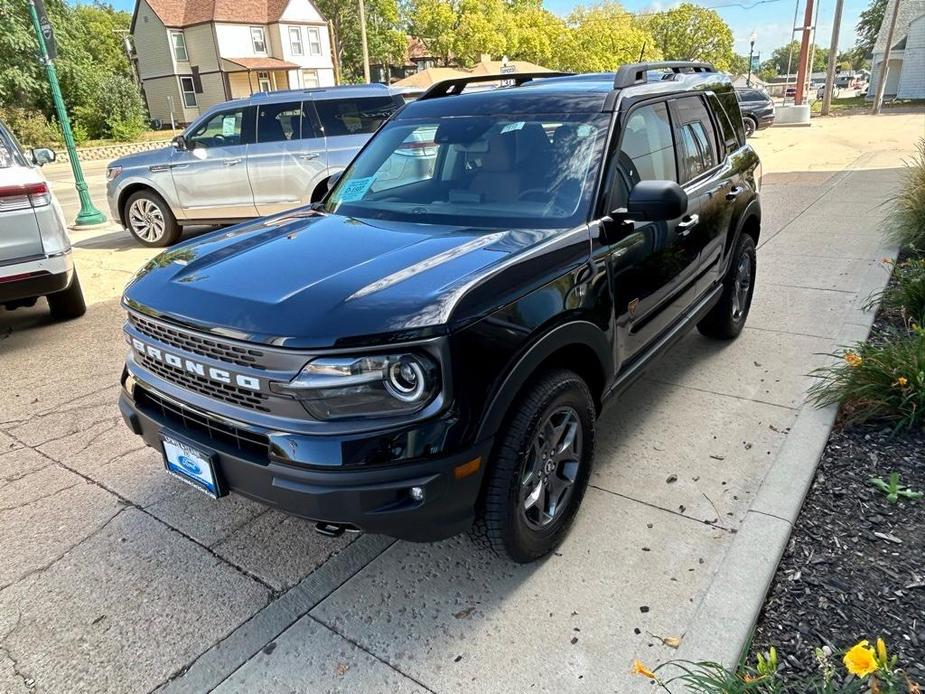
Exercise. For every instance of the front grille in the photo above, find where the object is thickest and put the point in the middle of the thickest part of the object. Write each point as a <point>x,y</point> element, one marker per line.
<point>183,419</point>
<point>203,346</point>
<point>213,389</point>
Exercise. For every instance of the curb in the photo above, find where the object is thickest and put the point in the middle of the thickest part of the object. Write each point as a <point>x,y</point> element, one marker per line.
<point>723,623</point>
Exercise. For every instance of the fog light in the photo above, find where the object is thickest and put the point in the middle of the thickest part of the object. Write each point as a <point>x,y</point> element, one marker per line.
<point>416,493</point>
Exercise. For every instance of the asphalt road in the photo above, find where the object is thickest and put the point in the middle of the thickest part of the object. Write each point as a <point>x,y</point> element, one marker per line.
<point>116,577</point>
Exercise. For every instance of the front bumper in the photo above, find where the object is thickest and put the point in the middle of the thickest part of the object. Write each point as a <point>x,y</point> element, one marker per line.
<point>35,278</point>
<point>374,499</point>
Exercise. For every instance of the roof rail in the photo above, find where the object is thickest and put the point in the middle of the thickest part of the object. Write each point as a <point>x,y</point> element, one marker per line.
<point>457,84</point>
<point>635,73</point>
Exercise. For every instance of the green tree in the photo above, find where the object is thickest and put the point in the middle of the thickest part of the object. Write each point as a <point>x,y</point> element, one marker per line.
<point>601,37</point>
<point>386,42</point>
<point>691,32</point>
<point>868,26</point>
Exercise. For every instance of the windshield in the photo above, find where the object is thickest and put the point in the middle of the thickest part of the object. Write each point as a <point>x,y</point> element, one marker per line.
<point>484,171</point>
<point>10,153</point>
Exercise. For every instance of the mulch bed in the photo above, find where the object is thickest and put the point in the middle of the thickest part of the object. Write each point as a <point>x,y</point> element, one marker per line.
<point>855,565</point>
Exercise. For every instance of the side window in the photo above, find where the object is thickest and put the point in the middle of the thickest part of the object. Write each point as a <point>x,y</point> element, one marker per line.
<point>697,137</point>
<point>279,122</point>
<point>354,116</point>
<point>223,129</point>
<point>646,152</point>
<point>727,131</point>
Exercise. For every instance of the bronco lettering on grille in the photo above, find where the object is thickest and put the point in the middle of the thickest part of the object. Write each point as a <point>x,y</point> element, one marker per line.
<point>196,368</point>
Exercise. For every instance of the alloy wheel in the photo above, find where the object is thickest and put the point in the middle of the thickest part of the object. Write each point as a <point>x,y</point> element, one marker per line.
<point>147,220</point>
<point>743,285</point>
<point>551,468</point>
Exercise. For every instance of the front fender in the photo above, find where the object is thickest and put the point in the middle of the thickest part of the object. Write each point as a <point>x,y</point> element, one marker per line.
<point>580,333</point>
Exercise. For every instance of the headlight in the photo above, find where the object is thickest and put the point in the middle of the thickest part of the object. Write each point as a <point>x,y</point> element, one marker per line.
<point>382,385</point>
<point>112,172</point>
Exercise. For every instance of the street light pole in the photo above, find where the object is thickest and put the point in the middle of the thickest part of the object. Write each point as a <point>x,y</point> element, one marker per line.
<point>88,213</point>
<point>751,53</point>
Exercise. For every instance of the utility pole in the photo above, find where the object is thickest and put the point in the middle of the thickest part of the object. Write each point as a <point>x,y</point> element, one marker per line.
<point>804,54</point>
<point>363,39</point>
<point>88,213</point>
<point>751,53</point>
<point>885,65</point>
<point>833,59</point>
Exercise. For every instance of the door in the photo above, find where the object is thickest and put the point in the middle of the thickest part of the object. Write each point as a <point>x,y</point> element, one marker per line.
<point>210,175</point>
<point>288,158</point>
<point>347,123</point>
<point>707,178</point>
<point>651,263</point>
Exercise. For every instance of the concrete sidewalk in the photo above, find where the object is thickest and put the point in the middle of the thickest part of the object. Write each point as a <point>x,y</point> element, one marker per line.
<point>118,578</point>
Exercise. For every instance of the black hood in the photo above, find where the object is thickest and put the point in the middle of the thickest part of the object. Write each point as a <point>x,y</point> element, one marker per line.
<point>306,279</point>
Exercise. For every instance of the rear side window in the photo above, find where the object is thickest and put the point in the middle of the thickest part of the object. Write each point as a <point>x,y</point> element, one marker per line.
<point>646,152</point>
<point>354,116</point>
<point>283,122</point>
<point>697,138</point>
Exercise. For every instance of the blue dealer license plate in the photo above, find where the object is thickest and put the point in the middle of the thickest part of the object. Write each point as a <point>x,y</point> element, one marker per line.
<point>190,465</point>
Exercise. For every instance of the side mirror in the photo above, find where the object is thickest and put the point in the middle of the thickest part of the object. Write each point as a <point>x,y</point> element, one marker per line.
<point>180,143</point>
<point>43,155</point>
<point>654,201</point>
<point>332,180</point>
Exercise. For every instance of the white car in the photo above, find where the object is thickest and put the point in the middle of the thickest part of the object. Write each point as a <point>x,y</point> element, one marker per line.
<point>35,251</point>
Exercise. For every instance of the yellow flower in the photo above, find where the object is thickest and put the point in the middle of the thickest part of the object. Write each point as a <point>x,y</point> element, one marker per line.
<point>853,359</point>
<point>860,660</point>
<point>902,382</point>
<point>881,646</point>
<point>640,669</point>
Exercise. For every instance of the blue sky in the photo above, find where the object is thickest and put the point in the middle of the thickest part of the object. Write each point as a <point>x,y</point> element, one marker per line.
<point>772,21</point>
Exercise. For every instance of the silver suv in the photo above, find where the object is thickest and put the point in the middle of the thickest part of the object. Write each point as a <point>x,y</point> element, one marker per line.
<point>35,251</point>
<point>246,158</point>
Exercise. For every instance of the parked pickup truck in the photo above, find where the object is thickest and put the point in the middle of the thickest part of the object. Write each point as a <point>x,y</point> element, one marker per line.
<point>424,355</point>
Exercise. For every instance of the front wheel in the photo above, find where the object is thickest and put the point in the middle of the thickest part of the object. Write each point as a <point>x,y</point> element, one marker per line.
<point>150,220</point>
<point>540,469</point>
<point>726,320</point>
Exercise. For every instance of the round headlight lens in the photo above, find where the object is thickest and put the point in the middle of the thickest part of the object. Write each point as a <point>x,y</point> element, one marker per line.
<point>406,379</point>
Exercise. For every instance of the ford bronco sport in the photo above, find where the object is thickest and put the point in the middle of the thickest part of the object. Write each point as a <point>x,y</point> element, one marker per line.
<point>422,355</point>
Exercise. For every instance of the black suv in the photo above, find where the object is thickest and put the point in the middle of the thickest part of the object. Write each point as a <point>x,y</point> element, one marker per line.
<point>757,110</point>
<point>422,354</point>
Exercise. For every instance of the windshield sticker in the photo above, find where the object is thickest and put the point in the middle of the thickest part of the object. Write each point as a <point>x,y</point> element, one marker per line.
<point>356,189</point>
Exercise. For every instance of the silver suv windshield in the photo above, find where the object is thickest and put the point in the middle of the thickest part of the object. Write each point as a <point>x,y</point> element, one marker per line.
<point>527,171</point>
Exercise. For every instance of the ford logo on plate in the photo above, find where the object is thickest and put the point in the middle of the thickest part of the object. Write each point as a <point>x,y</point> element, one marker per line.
<point>189,465</point>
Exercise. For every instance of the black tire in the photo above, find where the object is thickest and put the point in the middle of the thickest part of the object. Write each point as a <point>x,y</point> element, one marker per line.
<point>751,125</point>
<point>502,524</point>
<point>149,219</point>
<point>69,303</point>
<point>726,320</point>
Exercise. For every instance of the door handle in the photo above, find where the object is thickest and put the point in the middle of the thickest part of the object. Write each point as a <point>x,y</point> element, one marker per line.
<point>232,162</point>
<point>734,193</point>
<point>309,157</point>
<point>685,225</point>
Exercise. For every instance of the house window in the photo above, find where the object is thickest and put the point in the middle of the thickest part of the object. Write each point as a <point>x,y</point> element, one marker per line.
<point>263,81</point>
<point>179,45</point>
<point>314,41</point>
<point>188,87</point>
<point>295,40</point>
<point>310,78</point>
<point>258,40</point>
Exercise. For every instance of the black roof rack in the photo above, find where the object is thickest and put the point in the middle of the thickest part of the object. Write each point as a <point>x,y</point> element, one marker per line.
<point>635,73</point>
<point>456,85</point>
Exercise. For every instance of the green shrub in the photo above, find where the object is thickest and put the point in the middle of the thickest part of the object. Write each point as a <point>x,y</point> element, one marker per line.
<point>905,296</point>
<point>31,127</point>
<point>882,380</point>
<point>908,218</point>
